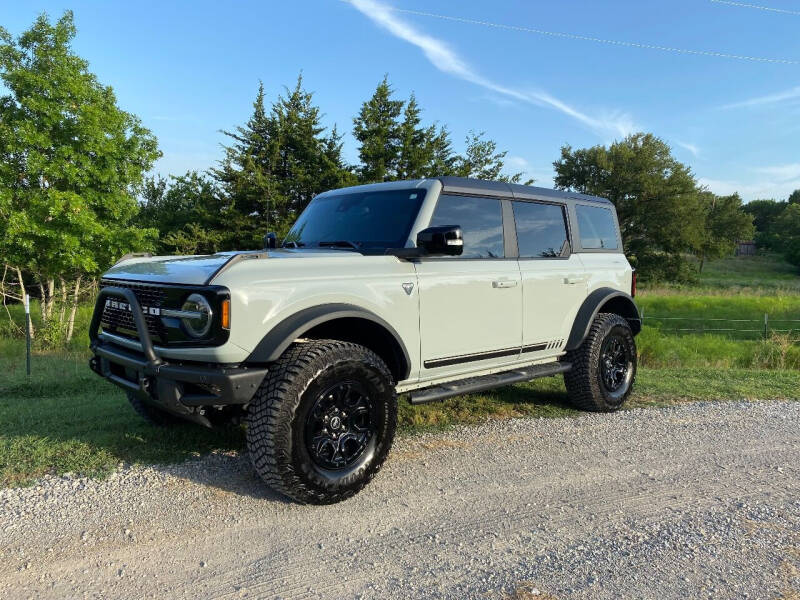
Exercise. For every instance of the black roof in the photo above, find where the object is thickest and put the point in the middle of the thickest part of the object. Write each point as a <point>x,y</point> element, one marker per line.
<point>500,189</point>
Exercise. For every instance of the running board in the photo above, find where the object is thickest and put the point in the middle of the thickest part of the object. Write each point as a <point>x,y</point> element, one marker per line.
<point>487,382</point>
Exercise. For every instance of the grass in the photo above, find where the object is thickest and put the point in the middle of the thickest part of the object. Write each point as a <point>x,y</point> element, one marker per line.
<point>760,275</point>
<point>66,419</point>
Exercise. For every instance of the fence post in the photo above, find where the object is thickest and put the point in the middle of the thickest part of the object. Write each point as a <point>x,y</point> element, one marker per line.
<point>28,334</point>
<point>766,326</point>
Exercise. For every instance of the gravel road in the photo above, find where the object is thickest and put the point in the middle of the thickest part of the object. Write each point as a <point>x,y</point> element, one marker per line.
<point>695,501</point>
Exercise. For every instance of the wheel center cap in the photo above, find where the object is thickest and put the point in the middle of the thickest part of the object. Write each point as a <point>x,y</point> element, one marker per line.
<point>336,422</point>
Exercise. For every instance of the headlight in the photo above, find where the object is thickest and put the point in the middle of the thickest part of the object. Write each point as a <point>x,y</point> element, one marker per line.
<point>199,323</point>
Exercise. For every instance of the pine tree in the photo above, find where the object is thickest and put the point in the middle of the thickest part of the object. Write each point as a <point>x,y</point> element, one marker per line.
<point>309,162</point>
<point>245,177</point>
<point>377,130</point>
<point>278,162</point>
<point>416,143</point>
<point>443,159</point>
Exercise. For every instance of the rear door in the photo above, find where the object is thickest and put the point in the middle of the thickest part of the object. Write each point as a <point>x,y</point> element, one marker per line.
<point>470,305</point>
<point>554,281</point>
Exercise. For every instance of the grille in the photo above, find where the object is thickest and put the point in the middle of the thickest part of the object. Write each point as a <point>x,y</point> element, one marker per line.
<point>120,321</point>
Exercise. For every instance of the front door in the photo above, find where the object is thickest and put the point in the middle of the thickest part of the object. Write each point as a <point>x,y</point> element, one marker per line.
<point>470,305</point>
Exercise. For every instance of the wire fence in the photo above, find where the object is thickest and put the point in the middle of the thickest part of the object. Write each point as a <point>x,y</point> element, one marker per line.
<point>749,329</point>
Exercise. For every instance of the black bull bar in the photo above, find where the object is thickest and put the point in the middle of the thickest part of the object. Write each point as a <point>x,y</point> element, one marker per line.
<point>181,389</point>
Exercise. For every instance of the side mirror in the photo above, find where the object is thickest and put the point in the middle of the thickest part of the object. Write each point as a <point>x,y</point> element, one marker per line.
<point>441,240</point>
<point>270,240</point>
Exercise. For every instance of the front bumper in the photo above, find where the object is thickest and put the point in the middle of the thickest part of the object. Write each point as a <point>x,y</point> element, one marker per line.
<point>181,389</point>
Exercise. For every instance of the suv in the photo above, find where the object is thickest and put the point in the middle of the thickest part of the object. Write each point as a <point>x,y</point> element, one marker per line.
<point>428,288</point>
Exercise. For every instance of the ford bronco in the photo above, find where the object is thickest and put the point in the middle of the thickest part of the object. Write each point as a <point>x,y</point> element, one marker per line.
<point>429,289</point>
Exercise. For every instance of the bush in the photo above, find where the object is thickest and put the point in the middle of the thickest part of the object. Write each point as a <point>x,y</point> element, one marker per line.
<point>659,267</point>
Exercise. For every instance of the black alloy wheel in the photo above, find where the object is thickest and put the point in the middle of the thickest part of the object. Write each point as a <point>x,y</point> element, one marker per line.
<point>340,426</point>
<point>615,363</point>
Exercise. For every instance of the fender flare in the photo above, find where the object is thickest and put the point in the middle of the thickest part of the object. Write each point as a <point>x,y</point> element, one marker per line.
<point>623,305</point>
<point>280,337</point>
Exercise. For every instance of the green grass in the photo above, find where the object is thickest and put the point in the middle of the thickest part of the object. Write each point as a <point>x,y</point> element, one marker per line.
<point>768,271</point>
<point>753,275</point>
<point>66,419</point>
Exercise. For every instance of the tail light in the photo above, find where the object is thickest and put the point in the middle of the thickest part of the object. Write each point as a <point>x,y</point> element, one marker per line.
<point>633,283</point>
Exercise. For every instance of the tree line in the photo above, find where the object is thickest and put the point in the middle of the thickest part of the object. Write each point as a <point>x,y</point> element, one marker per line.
<point>76,193</point>
<point>283,156</point>
<point>777,224</point>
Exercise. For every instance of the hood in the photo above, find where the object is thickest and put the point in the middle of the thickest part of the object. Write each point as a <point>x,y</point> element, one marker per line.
<point>201,270</point>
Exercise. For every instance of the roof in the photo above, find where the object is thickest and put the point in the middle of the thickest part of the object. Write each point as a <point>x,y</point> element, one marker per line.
<point>467,185</point>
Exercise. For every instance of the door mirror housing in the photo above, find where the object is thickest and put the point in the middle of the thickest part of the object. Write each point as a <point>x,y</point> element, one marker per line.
<point>270,240</point>
<point>447,240</point>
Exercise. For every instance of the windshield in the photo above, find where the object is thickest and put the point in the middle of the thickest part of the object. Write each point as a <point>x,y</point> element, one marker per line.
<point>361,220</point>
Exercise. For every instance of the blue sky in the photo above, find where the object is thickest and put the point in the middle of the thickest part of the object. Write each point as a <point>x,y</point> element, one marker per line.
<point>189,69</point>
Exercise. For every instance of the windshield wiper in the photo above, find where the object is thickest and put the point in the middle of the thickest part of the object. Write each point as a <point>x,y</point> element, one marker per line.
<point>292,244</point>
<point>341,244</point>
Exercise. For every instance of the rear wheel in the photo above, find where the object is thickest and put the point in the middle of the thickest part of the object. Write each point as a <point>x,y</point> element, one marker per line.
<point>604,366</point>
<point>321,424</point>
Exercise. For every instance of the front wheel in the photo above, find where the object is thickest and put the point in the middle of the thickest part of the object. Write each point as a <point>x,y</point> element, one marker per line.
<point>321,424</point>
<point>604,366</point>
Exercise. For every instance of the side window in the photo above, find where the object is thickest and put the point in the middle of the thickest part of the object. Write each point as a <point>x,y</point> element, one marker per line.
<point>596,227</point>
<point>541,230</point>
<point>481,221</point>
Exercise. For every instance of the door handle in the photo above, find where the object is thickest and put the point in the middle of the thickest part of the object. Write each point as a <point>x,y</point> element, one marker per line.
<point>504,283</point>
<point>573,279</point>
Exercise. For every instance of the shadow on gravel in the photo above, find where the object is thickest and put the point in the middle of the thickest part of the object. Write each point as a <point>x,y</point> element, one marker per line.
<point>226,473</point>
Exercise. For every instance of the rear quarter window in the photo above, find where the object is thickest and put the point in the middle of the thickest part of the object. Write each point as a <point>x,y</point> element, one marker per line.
<point>596,227</point>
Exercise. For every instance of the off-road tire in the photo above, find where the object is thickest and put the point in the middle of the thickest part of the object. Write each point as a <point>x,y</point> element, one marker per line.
<point>279,412</point>
<point>152,414</point>
<point>584,381</point>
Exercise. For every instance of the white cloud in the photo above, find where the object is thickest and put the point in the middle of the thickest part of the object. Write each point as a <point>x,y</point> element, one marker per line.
<point>518,163</point>
<point>786,95</point>
<point>690,147</point>
<point>788,172</point>
<point>444,58</point>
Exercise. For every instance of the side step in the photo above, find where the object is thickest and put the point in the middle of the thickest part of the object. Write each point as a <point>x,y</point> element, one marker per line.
<point>487,382</point>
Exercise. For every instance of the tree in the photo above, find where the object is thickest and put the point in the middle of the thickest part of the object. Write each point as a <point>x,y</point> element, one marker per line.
<point>787,227</point>
<point>794,197</point>
<point>657,198</point>
<point>277,163</point>
<point>377,130</point>
<point>245,175</point>
<point>725,224</point>
<point>765,214</point>
<point>443,159</point>
<point>71,163</point>
<point>482,160</point>
<point>189,213</point>
<point>416,150</point>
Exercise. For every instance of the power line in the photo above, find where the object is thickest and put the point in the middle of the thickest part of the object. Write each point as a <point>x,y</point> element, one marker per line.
<point>586,38</point>
<point>758,7</point>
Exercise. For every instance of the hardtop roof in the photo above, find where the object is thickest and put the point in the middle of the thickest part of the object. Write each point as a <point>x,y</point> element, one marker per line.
<point>516,191</point>
<point>469,185</point>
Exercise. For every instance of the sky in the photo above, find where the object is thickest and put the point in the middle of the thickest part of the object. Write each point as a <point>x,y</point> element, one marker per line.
<point>718,80</point>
